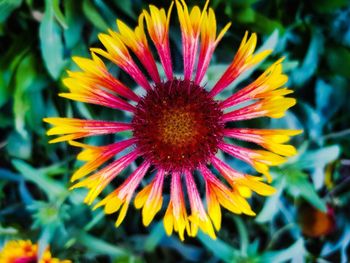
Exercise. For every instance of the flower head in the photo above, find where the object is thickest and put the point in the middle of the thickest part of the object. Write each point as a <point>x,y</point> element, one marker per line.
<point>23,251</point>
<point>178,126</point>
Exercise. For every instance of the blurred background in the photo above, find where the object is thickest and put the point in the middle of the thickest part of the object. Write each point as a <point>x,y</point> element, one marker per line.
<point>306,221</point>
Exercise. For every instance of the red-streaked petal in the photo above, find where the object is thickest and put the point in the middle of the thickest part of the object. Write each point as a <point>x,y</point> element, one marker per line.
<point>136,40</point>
<point>209,41</point>
<point>96,72</point>
<point>232,201</point>
<point>78,128</point>
<point>176,216</point>
<point>270,80</point>
<point>237,180</point>
<point>98,181</point>
<point>95,156</point>
<point>118,53</point>
<point>275,107</point>
<point>269,139</point>
<point>259,159</point>
<point>199,217</point>
<point>214,208</point>
<point>190,23</point>
<point>121,197</point>
<point>243,60</point>
<point>89,92</point>
<point>158,28</point>
<point>150,198</point>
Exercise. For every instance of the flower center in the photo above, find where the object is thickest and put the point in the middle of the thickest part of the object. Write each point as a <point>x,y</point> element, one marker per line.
<point>26,260</point>
<point>177,125</point>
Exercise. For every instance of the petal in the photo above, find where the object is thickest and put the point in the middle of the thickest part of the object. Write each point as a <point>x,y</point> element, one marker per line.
<point>154,201</point>
<point>199,217</point>
<point>259,159</point>
<point>269,139</point>
<point>96,156</point>
<point>118,53</point>
<point>137,41</point>
<point>243,60</point>
<point>190,24</point>
<point>241,181</point>
<point>176,216</point>
<point>274,108</point>
<point>90,92</point>
<point>78,128</point>
<point>270,80</point>
<point>121,197</point>
<point>209,41</point>
<point>98,181</point>
<point>158,28</point>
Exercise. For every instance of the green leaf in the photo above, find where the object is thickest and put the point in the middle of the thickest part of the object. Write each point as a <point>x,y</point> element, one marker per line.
<point>339,56</point>
<point>36,112</point>
<point>100,246</point>
<point>94,16</point>
<point>218,247</point>
<point>72,34</point>
<point>126,7</point>
<point>318,158</point>
<point>51,42</point>
<point>247,15</point>
<point>7,7</point>
<point>58,13</point>
<point>326,6</point>
<point>326,95</point>
<point>19,146</point>
<point>52,188</point>
<point>298,185</point>
<point>266,25</point>
<point>294,253</point>
<point>108,13</point>
<point>154,238</point>
<point>311,59</point>
<point>270,208</point>
<point>25,76</point>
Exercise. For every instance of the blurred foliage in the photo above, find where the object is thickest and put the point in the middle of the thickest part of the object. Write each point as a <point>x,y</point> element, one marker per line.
<point>37,39</point>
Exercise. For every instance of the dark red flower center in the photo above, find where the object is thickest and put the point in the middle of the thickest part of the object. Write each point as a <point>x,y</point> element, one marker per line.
<point>26,260</point>
<point>177,125</point>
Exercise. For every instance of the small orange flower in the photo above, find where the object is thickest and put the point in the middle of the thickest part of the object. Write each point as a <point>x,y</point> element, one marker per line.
<point>23,251</point>
<point>315,223</point>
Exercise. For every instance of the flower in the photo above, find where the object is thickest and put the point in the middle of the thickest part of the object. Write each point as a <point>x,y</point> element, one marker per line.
<point>178,126</point>
<point>315,223</point>
<point>23,251</point>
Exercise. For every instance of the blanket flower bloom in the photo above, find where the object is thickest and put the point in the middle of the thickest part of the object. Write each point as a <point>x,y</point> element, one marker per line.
<point>23,251</point>
<point>177,126</point>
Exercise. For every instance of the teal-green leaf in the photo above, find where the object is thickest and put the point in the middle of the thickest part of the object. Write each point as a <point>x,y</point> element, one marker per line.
<point>298,185</point>
<point>19,146</point>
<point>219,248</point>
<point>52,188</point>
<point>51,42</point>
<point>270,207</point>
<point>308,192</point>
<point>295,253</point>
<point>311,59</point>
<point>72,35</point>
<point>154,238</point>
<point>318,158</point>
<point>100,246</point>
